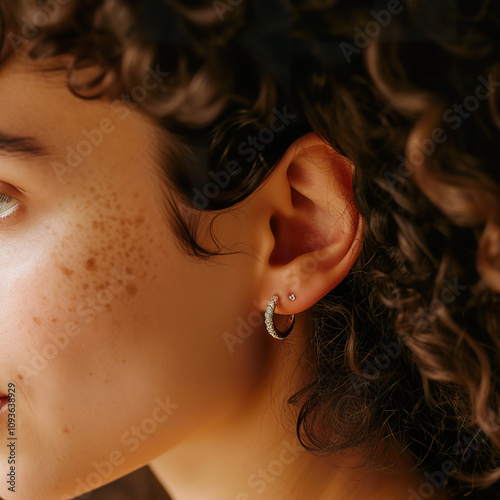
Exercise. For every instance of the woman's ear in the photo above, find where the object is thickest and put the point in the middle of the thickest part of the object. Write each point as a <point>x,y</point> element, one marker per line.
<point>313,229</point>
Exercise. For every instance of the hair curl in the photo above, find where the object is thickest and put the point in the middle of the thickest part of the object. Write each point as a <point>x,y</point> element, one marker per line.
<point>407,346</point>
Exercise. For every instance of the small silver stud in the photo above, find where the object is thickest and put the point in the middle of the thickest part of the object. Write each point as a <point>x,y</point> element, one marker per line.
<point>292,297</point>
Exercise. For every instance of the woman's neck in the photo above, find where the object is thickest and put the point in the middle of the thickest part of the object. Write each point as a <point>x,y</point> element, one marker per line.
<point>251,455</point>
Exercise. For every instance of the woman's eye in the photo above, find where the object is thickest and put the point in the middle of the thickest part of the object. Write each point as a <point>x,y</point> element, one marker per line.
<point>8,207</point>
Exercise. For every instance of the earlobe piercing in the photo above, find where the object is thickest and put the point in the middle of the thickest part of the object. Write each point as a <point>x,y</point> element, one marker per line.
<point>269,319</point>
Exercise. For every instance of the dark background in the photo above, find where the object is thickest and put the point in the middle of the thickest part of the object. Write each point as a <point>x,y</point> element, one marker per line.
<point>140,485</point>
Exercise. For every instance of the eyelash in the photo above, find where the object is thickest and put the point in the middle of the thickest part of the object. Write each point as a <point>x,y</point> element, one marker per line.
<point>12,213</point>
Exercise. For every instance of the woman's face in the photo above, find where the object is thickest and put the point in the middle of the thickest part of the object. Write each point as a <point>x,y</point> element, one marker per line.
<point>110,334</point>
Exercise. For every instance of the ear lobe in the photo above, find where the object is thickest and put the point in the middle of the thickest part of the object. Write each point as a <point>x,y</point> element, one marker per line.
<point>315,225</point>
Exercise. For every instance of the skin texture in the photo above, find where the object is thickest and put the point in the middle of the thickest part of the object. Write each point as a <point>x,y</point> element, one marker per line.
<point>146,367</point>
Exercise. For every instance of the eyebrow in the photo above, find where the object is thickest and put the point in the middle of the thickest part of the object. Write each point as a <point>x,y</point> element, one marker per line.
<point>24,147</point>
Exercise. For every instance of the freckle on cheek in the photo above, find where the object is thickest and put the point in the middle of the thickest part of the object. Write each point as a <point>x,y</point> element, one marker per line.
<point>103,286</point>
<point>131,289</point>
<point>90,264</point>
<point>20,377</point>
<point>67,272</point>
<point>37,321</point>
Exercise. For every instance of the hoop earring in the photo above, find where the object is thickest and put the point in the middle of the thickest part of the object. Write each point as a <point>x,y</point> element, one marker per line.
<point>269,315</point>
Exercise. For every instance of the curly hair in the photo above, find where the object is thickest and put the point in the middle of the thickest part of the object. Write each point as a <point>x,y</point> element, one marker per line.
<point>407,346</point>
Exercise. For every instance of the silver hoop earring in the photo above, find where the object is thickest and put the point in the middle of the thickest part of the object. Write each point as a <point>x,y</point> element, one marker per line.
<point>269,315</point>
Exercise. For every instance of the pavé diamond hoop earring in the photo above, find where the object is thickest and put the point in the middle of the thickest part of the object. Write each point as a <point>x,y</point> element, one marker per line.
<point>269,315</point>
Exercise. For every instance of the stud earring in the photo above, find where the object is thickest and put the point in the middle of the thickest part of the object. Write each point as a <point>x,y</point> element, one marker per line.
<point>269,319</point>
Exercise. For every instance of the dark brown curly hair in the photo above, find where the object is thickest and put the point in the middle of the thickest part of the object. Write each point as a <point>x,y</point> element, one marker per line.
<point>407,346</point>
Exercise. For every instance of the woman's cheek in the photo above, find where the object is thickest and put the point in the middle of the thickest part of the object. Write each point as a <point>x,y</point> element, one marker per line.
<point>77,294</point>
<point>81,359</point>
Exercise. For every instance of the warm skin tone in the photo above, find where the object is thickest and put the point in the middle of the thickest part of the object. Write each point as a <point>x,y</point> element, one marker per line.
<point>160,336</point>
